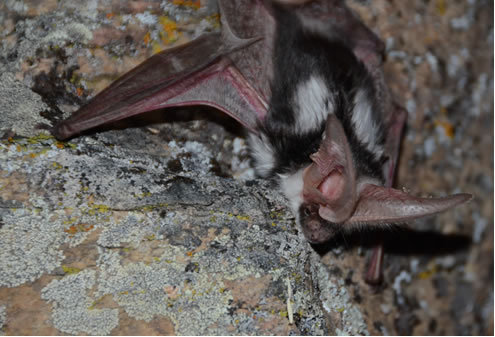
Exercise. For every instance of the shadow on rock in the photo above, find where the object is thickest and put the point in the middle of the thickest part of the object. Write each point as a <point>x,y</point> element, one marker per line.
<point>399,241</point>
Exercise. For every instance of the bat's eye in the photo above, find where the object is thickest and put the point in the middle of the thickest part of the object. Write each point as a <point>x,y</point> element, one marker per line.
<point>309,210</point>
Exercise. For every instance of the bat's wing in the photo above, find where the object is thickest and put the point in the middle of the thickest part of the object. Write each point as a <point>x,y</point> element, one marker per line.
<point>217,69</point>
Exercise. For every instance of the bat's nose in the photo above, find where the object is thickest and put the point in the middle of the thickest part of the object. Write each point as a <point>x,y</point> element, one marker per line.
<point>317,231</point>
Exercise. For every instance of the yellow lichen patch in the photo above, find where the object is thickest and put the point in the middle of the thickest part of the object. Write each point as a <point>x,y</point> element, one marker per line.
<point>57,166</point>
<point>70,221</point>
<point>242,217</point>
<point>428,273</point>
<point>40,138</point>
<point>170,33</point>
<point>447,127</point>
<point>99,301</point>
<point>38,153</point>
<point>78,228</point>
<point>276,215</point>
<point>99,208</point>
<point>147,38</point>
<point>70,270</point>
<point>441,7</point>
<point>214,20</point>
<point>96,208</point>
<point>194,4</point>
<point>156,47</point>
<point>150,238</point>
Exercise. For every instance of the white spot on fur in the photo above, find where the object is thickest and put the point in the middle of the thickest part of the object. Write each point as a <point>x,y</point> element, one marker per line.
<point>364,126</point>
<point>263,153</point>
<point>292,187</point>
<point>314,104</point>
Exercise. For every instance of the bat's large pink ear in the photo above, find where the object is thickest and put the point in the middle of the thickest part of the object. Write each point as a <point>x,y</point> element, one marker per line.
<point>383,205</point>
<point>330,180</point>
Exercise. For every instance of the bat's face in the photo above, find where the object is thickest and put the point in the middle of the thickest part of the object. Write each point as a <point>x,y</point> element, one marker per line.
<point>306,208</point>
<point>314,227</point>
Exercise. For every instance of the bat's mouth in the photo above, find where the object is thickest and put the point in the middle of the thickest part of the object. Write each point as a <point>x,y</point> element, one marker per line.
<point>316,229</point>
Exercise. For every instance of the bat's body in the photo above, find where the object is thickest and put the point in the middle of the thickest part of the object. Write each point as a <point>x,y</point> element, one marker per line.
<point>318,77</point>
<point>306,81</point>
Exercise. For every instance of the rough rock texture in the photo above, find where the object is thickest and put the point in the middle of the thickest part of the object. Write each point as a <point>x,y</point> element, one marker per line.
<point>145,230</point>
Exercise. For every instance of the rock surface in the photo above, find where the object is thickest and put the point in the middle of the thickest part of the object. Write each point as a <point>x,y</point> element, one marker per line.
<point>162,229</point>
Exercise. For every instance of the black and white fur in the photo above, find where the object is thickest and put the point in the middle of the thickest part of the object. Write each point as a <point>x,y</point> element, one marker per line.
<point>316,74</point>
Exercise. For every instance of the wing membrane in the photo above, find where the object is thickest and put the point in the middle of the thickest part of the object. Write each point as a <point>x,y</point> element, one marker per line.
<point>202,72</point>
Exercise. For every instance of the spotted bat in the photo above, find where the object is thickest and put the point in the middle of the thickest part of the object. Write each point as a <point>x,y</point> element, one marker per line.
<point>305,79</point>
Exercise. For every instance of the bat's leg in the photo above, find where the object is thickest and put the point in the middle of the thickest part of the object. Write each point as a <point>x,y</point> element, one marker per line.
<point>367,46</point>
<point>392,145</point>
<point>396,126</point>
<point>375,269</point>
<point>342,20</point>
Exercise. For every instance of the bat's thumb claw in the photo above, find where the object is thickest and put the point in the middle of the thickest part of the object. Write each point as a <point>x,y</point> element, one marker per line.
<point>62,131</point>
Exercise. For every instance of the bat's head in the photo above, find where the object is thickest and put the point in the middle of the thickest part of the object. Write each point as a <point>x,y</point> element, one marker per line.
<point>328,196</point>
<point>314,227</point>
